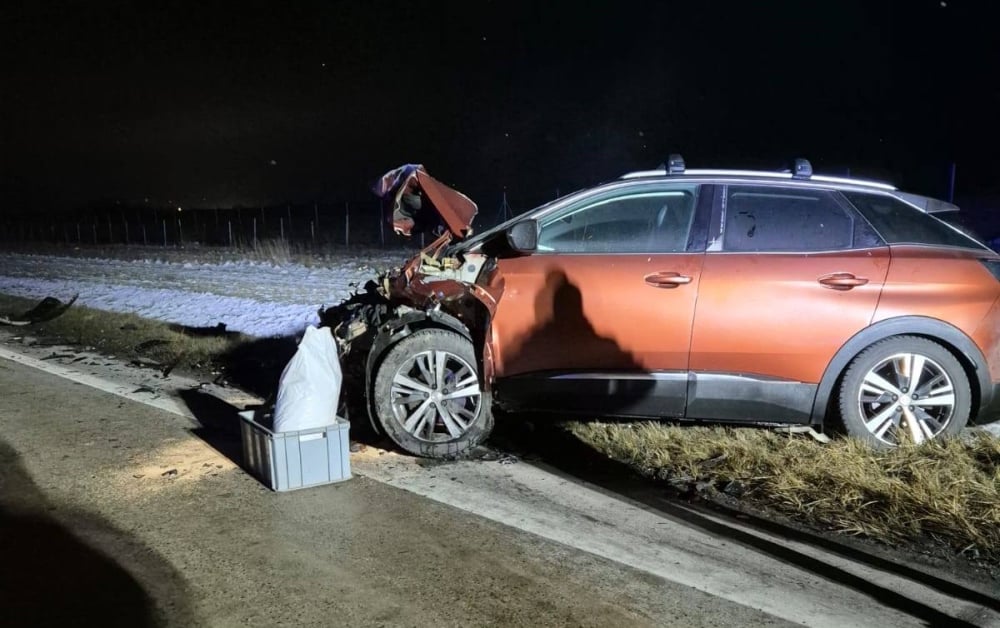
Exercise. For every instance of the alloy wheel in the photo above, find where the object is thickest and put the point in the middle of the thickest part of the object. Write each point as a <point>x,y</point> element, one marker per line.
<point>435,396</point>
<point>906,397</point>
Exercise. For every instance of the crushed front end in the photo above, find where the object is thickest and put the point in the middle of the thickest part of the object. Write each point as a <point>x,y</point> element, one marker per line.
<point>437,288</point>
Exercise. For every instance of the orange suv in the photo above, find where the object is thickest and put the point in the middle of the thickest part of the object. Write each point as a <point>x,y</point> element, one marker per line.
<point>726,296</point>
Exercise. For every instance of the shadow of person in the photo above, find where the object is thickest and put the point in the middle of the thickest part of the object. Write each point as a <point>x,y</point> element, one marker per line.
<point>566,366</point>
<point>51,577</point>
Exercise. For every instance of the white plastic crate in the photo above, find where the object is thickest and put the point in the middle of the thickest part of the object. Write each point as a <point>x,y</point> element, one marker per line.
<point>286,461</point>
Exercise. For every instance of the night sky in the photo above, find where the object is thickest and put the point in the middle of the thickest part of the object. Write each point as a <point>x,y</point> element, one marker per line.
<point>207,104</point>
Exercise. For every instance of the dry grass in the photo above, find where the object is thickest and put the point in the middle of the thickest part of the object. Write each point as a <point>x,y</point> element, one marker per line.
<point>946,490</point>
<point>276,252</point>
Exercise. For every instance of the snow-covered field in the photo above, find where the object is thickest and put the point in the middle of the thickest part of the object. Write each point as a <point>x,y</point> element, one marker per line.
<point>255,298</point>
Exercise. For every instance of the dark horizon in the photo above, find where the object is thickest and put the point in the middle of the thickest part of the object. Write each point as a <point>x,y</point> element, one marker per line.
<point>219,105</point>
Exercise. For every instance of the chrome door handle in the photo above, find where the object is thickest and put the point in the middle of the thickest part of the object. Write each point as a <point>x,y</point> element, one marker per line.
<point>666,279</point>
<point>841,281</point>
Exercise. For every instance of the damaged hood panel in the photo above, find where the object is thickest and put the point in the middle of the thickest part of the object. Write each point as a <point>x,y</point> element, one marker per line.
<point>415,202</point>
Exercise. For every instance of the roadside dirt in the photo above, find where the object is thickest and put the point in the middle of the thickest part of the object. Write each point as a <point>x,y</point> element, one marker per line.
<point>173,462</point>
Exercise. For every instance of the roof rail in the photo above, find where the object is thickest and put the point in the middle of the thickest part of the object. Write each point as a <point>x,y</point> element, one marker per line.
<point>800,173</point>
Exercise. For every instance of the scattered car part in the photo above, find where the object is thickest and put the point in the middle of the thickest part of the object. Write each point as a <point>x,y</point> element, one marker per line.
<point>46,310</point>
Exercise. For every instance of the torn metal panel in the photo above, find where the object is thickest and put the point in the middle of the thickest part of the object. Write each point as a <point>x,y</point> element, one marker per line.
<point>416,202</point>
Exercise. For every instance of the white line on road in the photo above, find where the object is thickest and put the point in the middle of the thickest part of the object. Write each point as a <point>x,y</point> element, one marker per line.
<point>167,403</point>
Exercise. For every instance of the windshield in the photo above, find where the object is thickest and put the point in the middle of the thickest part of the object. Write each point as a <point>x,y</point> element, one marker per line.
<point>475,240</point>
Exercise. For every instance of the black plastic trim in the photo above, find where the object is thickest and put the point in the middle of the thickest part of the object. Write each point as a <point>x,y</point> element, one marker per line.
<point>748,398</point>
<point>698,236</point>
<point>661,394</point>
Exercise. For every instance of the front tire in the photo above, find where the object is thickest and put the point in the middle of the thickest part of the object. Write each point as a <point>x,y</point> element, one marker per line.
<point>428,397</point>
<point>904,389</point>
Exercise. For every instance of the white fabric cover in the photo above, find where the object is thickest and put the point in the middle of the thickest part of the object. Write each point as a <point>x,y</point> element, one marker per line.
<point>309,388</point>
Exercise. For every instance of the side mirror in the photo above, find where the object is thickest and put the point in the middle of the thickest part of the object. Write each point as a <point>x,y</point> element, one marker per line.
<point>518,239</point>
<point>522,237</point>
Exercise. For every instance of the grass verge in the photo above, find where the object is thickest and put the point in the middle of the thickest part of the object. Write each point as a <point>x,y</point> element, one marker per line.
<point>945,491</point>
<point>125,335</point>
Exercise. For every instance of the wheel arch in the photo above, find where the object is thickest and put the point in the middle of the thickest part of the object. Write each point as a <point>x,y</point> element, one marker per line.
<point>396,329</point>
<point>402,326</point>
<point>945,334</point>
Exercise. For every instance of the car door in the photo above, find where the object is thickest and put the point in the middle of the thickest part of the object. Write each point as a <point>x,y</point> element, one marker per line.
<point>793,275</point>
<point>599,318</point>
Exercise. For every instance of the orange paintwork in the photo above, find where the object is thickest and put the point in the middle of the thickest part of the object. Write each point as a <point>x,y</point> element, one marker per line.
<point>950,285</point>
<point>947,284</point>
<point>762,314</point>
<point>593,312</point>
<point>456,209</point>
<point>987,338</point>
<point>767,314</point>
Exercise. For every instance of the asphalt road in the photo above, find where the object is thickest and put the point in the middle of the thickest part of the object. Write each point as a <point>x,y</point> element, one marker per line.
<point>113,512</point>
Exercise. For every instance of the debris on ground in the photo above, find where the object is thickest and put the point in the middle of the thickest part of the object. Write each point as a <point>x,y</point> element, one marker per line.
<point>216,331</point>
<point>804,429</point>
<point>170,367</point>
<point>149,344</point>
<point>59,356</point>
<point>145,363</point>
<point>46,310</point>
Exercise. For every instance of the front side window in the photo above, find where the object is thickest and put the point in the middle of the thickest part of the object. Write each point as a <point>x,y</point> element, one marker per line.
<point>633,222</point>
<point>900,223</point>
<point>769,219</point>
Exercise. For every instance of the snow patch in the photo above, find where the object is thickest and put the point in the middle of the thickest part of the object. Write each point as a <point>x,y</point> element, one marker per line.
<point>253,298</point>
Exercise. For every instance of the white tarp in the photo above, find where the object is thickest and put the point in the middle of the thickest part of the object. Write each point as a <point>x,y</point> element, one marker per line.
<point>309,388</point>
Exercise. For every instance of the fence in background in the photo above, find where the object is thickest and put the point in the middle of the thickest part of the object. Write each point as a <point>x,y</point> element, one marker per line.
<point>317,223</point>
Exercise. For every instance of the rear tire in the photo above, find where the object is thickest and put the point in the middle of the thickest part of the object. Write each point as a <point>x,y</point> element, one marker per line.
<point>880,405</point>
<point>428,396</point>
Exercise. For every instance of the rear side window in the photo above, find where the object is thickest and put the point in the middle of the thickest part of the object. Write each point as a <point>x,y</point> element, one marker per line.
<point>762,219</point>
<point>900,223</point>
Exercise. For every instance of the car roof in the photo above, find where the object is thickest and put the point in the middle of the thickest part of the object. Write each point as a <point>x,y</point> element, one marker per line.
<point>763,175</point>
<point>800,174</point>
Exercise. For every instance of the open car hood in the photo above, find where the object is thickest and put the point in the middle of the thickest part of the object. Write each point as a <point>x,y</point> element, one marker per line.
<point>416,202</point>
